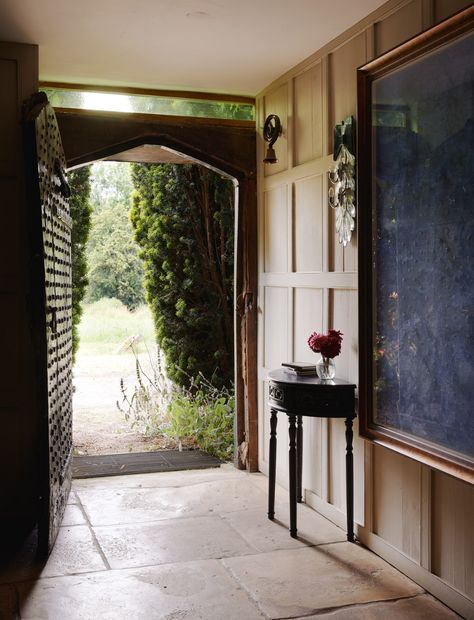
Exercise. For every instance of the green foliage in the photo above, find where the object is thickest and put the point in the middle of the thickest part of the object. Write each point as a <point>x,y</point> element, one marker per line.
<point>201,415</point>
<point>115,270</point>
<point>208,418</point>
<point>79,182</point>
<point>184,222</point>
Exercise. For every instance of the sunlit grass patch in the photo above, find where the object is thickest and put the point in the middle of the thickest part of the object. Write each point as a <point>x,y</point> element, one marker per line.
<point>107,325</point>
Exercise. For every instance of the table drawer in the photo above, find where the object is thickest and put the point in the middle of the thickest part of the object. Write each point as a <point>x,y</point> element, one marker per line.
<point>300,400</point>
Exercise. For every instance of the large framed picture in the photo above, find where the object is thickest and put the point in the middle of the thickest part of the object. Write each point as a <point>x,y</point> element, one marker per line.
<point>416,247</point>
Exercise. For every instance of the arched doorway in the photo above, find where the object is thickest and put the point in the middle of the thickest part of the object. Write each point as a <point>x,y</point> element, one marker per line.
<point>223,145</point>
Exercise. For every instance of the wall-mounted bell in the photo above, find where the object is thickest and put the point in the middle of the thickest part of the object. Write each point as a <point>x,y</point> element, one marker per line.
<point>271,132</point>
<point>270,157</point>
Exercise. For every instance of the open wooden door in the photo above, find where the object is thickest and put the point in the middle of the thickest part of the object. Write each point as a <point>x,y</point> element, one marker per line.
<point>50,235</point>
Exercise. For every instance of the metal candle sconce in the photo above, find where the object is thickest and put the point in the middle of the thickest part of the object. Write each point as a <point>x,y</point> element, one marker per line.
<point>271,132</point>
<point>342,184</point>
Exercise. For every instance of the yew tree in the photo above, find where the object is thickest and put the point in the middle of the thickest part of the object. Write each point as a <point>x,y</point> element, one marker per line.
<point>183,216</point>
<point>81,210</point>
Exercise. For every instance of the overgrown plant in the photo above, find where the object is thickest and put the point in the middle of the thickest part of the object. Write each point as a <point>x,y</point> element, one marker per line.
<point>199,415</point>
<point>205,416</point>
<point>79,182</point>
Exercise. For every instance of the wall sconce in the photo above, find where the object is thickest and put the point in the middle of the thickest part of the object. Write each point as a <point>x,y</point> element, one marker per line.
<point>342,183</point>
<point>271,132</point>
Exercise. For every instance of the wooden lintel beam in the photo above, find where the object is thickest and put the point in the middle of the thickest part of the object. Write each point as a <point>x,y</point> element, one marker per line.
<point>226,145</point>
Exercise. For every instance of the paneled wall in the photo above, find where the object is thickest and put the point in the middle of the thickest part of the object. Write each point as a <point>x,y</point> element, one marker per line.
<point>18,416</point>
<point>418,519</point>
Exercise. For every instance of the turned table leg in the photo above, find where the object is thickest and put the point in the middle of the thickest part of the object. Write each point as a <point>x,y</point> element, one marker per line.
<point>349,481</point>
<point>292,473</point>
<point>272,464</point>
<point>299,454</point>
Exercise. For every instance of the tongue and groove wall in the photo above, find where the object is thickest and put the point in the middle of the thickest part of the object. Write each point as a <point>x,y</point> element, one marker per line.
<point>417,518</point>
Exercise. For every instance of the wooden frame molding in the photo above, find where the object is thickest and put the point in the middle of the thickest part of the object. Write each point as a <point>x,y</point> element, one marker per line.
<point>228,147</point>
<point>431,454</point>
<point>173,94</point>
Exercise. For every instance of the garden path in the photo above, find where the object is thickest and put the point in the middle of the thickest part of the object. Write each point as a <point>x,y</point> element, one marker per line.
<point>98,426</point>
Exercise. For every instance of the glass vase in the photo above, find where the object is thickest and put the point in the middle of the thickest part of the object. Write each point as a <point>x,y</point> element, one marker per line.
<point>326,368</point>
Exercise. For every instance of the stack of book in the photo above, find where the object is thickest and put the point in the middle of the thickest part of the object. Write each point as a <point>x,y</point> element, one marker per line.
<point>302,369</point>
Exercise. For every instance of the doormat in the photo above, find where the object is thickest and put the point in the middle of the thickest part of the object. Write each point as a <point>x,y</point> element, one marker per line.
<point>141,463</point>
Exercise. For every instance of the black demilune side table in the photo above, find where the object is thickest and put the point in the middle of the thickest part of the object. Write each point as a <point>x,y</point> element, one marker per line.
<point>308,396</point>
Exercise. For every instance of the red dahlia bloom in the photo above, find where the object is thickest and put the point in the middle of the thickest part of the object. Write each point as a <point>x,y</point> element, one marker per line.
<point>328,345</point>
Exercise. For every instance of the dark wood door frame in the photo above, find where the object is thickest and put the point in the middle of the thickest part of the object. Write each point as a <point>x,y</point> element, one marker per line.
<point>228,147</point>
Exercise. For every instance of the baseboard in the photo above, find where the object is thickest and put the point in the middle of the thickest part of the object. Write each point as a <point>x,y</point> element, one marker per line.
<point>327,510</point>
<point>431,583</point>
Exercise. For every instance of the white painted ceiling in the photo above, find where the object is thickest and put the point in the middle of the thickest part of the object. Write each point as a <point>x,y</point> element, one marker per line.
<point>222,46</point>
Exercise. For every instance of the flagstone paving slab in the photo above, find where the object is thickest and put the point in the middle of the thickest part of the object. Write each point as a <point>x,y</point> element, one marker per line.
<point>112,505</point>
<point>74,552</point>
<point>73,515</point>
<point>161,542</point>
<point>423,607</point>
<point>192,591</point>
<point>299,582</point>
<point>199,545</point>
<point>265,535</point>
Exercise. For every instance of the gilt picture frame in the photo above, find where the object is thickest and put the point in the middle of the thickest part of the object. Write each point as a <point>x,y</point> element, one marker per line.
<point>416,247</point>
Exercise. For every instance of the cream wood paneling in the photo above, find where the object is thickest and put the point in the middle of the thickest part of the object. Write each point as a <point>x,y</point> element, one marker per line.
<point>453,532</point>
<point>350,253</point>
<point>313,280</point>
<point>308,317</point>
<point>344,317</point>
<point>398,27</point>
<point>308,239</point>
<point>276,326</point>
<point>336,251</point>
<point>419,520</point>
<point>308,108</point>
<point>276,102</point>
<point>343,63</point>
<point>343,312</point>
<point>397,501</point>
<point>313,455</point>
<point>275,223</point>
<point>337,477</point>
<point>445,8</point>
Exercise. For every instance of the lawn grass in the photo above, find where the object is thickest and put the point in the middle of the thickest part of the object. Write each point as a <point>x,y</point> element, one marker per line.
<point>107,324</point>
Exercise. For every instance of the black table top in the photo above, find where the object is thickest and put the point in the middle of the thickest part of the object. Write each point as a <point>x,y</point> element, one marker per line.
<point>284,376</point>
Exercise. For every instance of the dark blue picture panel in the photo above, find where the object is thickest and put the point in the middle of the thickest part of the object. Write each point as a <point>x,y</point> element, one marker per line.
<point>423,247</point>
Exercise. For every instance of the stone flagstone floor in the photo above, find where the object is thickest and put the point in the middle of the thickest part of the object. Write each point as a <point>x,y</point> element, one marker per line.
<point>197,545</point>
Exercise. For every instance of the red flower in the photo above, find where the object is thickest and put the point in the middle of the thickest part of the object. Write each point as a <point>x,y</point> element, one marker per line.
<point>328,345</point>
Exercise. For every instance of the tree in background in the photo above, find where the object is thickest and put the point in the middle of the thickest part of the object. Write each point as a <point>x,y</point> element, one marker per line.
<point>79,182</point>
<point>115,269</point>
<point>183,217</point>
